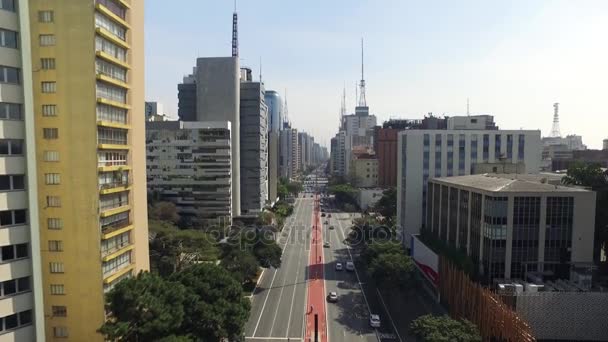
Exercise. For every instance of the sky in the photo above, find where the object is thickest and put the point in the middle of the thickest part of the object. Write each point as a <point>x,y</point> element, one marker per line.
<point>511,59</point>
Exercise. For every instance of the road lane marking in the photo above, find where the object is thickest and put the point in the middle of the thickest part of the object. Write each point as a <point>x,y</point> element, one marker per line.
<point>388,314</point>
<point>273,277</point>
<point>295,288</point>
<point>357,275</point>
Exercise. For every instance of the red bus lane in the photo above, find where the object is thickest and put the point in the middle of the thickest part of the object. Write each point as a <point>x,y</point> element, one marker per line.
<point>315,308</point>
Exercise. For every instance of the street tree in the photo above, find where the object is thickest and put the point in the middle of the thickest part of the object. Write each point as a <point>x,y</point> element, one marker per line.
<point>392,271</point>
<point>429,328</point>
<point>144,308</point>
<point>387,204</point>
<point>214,307</point>
<point>242,264</point>
<point>377,248</point>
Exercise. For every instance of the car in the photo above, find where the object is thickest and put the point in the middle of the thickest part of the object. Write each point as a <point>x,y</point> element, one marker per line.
<point>328,215</point>
<point>332,297</point>
<point>331,227</point>
<point>326,244</point>
<point>350,266</point>
<point>323,215</point>
<point>339,266</point>
<point>374,321</point>
<point>326,222</point>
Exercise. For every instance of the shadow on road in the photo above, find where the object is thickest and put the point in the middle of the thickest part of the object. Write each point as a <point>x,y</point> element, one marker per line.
<point>352,313</point>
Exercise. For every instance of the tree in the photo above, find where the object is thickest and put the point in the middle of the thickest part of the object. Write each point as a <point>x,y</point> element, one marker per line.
<point>392,271</point>
<point>242,264</point>
<point>282,190</point>
<point>265,218</point>
<point>592,175</point>
<point>373,250</point>
<point>172,249</point>
<point>344,193</point>
<point>439,329</point>
<point>144,308</point>
<point>164,211</point>
<point>387,204</point>
<point>214,307</point>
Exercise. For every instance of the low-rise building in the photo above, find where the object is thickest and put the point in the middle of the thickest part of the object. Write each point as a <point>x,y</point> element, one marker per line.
<point>364,170</point>
<point>189,164</point>
<point>510,226</point>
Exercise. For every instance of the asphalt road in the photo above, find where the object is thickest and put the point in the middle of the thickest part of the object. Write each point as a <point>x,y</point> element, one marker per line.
<point>278,303</point>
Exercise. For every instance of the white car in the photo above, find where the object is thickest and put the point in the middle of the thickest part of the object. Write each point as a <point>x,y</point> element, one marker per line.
<point>339,266</point>
<point>350,266</point>
<point>332,297</point>
<point>374,321</point>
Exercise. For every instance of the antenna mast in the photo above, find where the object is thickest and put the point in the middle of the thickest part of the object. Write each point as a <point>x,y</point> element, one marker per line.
<point>362,101</point>
<point>235,33</point>
<point>468,112</point>
<point>555,131</point>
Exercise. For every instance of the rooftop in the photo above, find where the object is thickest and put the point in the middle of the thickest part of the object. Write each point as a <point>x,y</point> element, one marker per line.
<point>508,183</point>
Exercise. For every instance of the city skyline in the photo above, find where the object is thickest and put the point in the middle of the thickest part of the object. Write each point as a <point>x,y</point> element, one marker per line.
<point>507,59</point>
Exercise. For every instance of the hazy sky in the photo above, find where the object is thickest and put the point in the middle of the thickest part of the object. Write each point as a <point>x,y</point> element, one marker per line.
<point>513,59</point>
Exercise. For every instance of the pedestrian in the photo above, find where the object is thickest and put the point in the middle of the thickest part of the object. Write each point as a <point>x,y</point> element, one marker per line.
<point>311,308</point>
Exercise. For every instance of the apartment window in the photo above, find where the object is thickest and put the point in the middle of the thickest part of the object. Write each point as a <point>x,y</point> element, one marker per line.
<point>56,267</point>
<point>54,223</point>
<point>8,38</point>
<point>497,140</point>
<point>55,245</point>
<point>45,16</point>
<point>49,110</point>
<point>104,68</point>
<point>13,252</point>
<point>117,263</point>
<point>49,87</point>
<point>16,320</point>
<point>521,145</point>
<point>15,286</point>
<point>50,133</point>
<point>9,75</point>
<point>112,93</point>
<point>51,156</point>
<point>108,24</point>
<point>7,5</point>
<point>115,243</point>
<point>10,111</point>
<point>57,289</point>
<point>47,63</point>
<point>59,310</point>
<point>60,331</point>
<point>12,182</point>
<point>115,51</point>
<point>12,217</point>
<point>53,201</point>
<point>52,178</point>
<point>112,114</point>
<point>114,7</point>
<point>47,39</point>
<point>112,136</point>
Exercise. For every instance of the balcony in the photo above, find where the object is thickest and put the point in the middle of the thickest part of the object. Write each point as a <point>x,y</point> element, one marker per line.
<point>109,277</point>
<point>118,249</point>
<point>115,229</point>
<point>113,187</point>
<point>114,208</point>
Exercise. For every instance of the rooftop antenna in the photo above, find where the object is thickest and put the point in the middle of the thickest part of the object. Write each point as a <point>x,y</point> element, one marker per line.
<point>555,132</point>
<point>468,112</point>
<point>260,69</point>
<point>286,111</point>
<point>356,94</point>
<point>235,33</point>
<point>362,101</point>
<point>343,106</point>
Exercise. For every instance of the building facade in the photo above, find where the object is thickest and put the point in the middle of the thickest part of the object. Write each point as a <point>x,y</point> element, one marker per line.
<point>273,165</point>
<point>254,147</point>
<point>189,164</point>
<point>275,110</point>
<point>386,152</point>
<point>218,99</point>
<point>426,154</point>
<point>21,304</point>
<point>90,159</point>
<point>511,227</point>
<point>288,153</point>
<point>153,109</point>
<point>364,171</point>
<point>186,98</point>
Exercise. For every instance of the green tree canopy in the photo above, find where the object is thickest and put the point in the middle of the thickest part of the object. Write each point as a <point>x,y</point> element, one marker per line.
<point>377,248</point>
<point>387,204</point>
<point>392,271</point>
<point>345,193</point>
<point>214,306</point>
<point>590,175</point>
<point>242,264</point>
<point>431,328</point>
<point>164,211</point>
<point>144,308</point>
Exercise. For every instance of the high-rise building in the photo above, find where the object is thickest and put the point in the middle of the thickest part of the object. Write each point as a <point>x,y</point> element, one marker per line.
<point>254,146</point>
<point>273,165</point>
<point>189,164</point>
<point>152,109</point>
<point>22,312</point>
<point>340,150</point>
<point>275,110</point>
<point>386,152</point>
<point>89,141</point>
<point>512,225</point>
<point>605,144</point>
<point>364,170</point>
<point>426,154</point>
<point>288,153</point>
<point>217,99</point>
<point>186,98</point>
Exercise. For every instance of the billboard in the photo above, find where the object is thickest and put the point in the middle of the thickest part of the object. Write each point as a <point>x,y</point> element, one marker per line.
<point>426,260</point>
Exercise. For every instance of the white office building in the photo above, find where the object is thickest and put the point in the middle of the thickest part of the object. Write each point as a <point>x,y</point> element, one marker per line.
<point>426,154</point>
<point>189,163</point>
